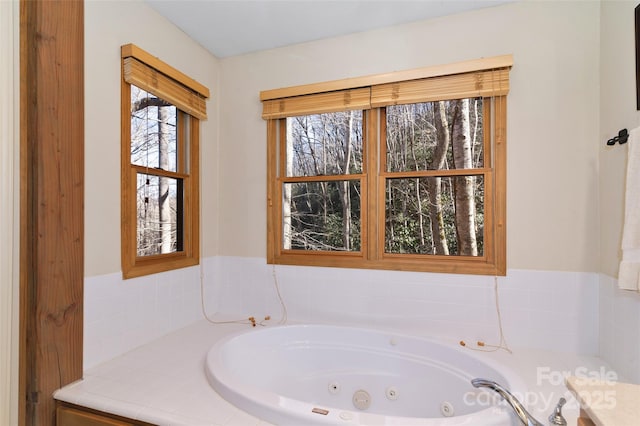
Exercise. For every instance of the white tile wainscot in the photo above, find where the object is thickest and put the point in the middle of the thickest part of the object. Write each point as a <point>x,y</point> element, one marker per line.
<point>120,315</point>
<point>164,383</point>
<point>547,310</point>
<point>540,309</point>
<point>620,328</point>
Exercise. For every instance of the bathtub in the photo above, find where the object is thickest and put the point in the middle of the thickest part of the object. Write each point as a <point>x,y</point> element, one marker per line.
<point>321,374</point>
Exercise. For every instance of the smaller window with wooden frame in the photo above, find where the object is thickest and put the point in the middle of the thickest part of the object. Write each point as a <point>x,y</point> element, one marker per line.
<point>161,112</point>
<point>405,170</point>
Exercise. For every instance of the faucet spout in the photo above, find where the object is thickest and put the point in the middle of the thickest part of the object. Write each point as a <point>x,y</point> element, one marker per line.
<point>524,416</point>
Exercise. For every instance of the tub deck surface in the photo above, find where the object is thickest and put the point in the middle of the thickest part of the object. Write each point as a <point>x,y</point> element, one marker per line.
<point>164,383</point>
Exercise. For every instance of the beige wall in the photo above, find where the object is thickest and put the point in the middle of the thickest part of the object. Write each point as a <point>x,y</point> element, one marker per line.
<point>108,25</point>
<point>617,111</point>
<point>556,154</point>
<point>553,131</point>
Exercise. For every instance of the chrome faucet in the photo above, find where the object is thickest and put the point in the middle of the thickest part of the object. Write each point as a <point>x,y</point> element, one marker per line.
<point>527,419</point>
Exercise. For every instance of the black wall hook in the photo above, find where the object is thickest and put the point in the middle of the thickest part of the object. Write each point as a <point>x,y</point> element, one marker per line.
<point>622,138</point>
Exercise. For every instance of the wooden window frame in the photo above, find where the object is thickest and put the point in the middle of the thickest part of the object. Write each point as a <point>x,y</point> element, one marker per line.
<point>162,80</point>
<point>487,78</point>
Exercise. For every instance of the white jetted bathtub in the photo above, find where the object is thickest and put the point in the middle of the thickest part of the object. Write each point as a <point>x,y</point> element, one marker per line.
<point>318,374</point>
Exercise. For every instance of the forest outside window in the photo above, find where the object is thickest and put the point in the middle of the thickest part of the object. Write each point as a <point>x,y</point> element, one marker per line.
<point>400,171</point>
<point>426,212</point>
<point>322,186</point>
<point>161,111</point>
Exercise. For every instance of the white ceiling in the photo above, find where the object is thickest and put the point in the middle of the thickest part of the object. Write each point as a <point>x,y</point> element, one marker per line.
<point>234,27</point>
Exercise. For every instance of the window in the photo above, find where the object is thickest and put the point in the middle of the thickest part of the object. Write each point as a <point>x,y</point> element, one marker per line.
<point>161,111</point>
<point>398,171</point>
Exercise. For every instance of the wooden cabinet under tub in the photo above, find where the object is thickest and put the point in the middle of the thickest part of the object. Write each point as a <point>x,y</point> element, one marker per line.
<point>584,419</point>
<point>74,415</point>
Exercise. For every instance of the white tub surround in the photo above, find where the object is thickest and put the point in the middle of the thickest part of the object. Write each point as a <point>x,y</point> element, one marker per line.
<point>164,383</point>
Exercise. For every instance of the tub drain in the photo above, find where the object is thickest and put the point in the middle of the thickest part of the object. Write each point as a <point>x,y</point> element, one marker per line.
<point>361,399</point>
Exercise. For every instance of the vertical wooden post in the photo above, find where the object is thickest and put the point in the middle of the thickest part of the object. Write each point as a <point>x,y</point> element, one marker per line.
<point>52,196</point>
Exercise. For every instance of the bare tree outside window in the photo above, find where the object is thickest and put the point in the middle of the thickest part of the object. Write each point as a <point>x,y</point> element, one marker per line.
<point>441,215</point>
<point>323,214</point>
<point>154,146</point>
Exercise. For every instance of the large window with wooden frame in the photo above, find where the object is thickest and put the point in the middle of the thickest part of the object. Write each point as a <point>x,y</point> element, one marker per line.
<point>161,112</point>
<point>398,171</point>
